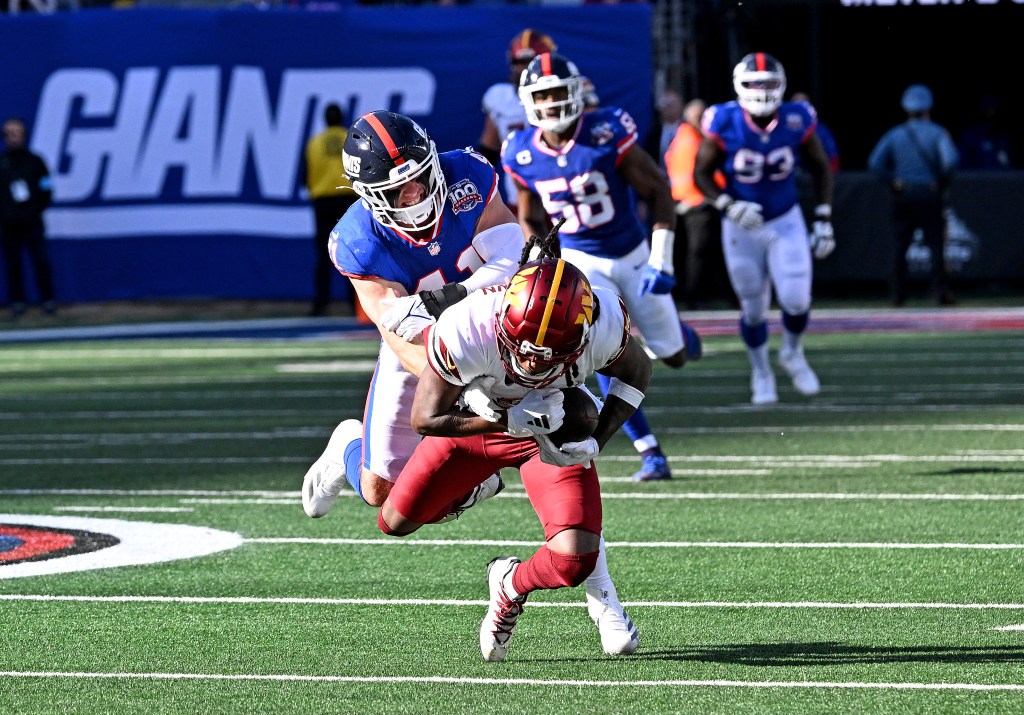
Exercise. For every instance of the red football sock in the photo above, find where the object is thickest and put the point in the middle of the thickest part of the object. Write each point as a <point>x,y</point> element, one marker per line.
<point>548,569</point>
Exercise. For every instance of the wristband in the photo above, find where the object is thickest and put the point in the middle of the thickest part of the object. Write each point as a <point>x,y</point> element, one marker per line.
<point>626,393</point>
<point>662,242</point>
<point>723,202</point>
<point>435,301</point>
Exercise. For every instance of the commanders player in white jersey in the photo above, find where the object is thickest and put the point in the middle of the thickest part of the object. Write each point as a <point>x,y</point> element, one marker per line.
<point>585,167</point>
<point>426,221</point>
<point>506,352</point>
<point>757,142</point>
<point>503,111</point>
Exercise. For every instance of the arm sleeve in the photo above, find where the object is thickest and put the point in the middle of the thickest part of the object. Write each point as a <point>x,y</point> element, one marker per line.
<point>501,247</point>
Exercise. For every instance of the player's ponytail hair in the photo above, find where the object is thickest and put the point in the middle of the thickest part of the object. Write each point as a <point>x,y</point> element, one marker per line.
<point>537,248</point>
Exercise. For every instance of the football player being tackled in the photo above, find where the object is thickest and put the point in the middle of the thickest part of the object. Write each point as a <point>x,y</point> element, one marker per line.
<point>586,167</point>
<point>499,360</point>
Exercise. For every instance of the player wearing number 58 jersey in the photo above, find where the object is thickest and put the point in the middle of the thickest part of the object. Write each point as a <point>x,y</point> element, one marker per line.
<point>585,168</point>
<point>757,141</point>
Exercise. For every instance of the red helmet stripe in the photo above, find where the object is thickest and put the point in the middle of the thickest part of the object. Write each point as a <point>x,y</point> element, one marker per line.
<point>549,306</point>
<point>545,63</point>
<point>759,60</point>
<point>384,137</point>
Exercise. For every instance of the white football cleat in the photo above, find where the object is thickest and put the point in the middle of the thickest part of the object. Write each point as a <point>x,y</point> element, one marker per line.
<point>326,477</point>
<point>762,387</point>
<point>490,487</point>
<point>618,634</point>
<point>804,380</point>
<point>502,611</point>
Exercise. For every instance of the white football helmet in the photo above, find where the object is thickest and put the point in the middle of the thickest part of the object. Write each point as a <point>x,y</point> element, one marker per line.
<point>760,83</point>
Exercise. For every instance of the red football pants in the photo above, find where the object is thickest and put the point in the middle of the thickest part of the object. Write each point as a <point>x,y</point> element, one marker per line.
<point>442,470</point>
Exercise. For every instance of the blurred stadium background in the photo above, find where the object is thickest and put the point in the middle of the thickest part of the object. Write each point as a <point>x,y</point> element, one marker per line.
<point>174,130</point>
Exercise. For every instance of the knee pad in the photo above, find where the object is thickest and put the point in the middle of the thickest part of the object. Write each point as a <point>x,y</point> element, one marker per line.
<point>795,323</point>
<point>753,335</point>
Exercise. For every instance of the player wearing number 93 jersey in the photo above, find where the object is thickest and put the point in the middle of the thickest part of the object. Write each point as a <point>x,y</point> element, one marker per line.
<point>584,167</point>
<point>758,141</point>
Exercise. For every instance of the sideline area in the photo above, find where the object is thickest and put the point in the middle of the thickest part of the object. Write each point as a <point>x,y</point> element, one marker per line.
<point>717,322</point>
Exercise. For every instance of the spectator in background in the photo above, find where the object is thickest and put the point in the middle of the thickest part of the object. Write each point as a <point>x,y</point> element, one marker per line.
<point>331,193</point>
<point>25,193</point>
<point>502,109</point>
<point>670,116</point>
<point>985,144</point>
<point>697,220</point>
<point>917,159</point>
<point>828,140</point>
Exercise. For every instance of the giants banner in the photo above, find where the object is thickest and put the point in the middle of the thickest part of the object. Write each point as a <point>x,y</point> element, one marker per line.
<point>175,136</point>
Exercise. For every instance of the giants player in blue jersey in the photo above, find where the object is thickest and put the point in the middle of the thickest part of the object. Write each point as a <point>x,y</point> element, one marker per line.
<point>584,167</point>
<point>757,141</point>
<point>430,229</point>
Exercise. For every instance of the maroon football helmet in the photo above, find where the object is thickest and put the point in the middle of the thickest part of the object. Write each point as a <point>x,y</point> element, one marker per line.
<point>528,44</point>
<point>546,314</point>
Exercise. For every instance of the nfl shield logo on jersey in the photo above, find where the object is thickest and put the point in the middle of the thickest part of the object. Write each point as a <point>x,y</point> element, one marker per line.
<point>434,248</point>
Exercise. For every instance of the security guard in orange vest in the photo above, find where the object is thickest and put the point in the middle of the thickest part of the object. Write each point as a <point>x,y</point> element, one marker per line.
<point>331,193</point>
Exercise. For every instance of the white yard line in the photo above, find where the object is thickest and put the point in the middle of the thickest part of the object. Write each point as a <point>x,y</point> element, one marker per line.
<point>649,544</point>
<point>520,681</point>
<point>133,509</point>
<point>760,461</point>
<point>321,431</point>
<point>536,682</point>
<point>149,492</point>
<point>253,600</point>
<point>288,497</point>
<point>822,405</point>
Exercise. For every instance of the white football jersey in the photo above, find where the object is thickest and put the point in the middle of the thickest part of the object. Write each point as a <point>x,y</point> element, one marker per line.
<point>501,103</point>
<point>463,345</point>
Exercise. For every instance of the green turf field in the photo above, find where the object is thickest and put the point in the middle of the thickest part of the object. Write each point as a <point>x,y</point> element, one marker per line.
<point>857,552</point>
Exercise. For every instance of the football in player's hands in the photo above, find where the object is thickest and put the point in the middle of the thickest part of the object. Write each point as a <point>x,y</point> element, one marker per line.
<point>581,416</point>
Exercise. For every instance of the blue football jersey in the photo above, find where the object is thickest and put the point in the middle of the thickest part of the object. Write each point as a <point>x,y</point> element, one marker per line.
<point>760,163</point>
<point>581,181</point>
<point>363,248</point>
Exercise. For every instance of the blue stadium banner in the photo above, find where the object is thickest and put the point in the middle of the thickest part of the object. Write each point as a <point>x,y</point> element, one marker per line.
<point>175,136</point>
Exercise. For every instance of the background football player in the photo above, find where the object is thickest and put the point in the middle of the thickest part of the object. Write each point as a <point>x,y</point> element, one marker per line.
<point>513,348</point>
<point>584,167</point>
<point>757,141</point>
<point>502,109</point>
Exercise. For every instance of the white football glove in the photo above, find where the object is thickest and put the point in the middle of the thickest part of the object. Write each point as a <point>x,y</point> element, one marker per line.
<point>746,214</point>
<point>570,453</point>
<point>477,400</point>
<point>823,241</point>
<point>540,412</point>
<point>406,317</point>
